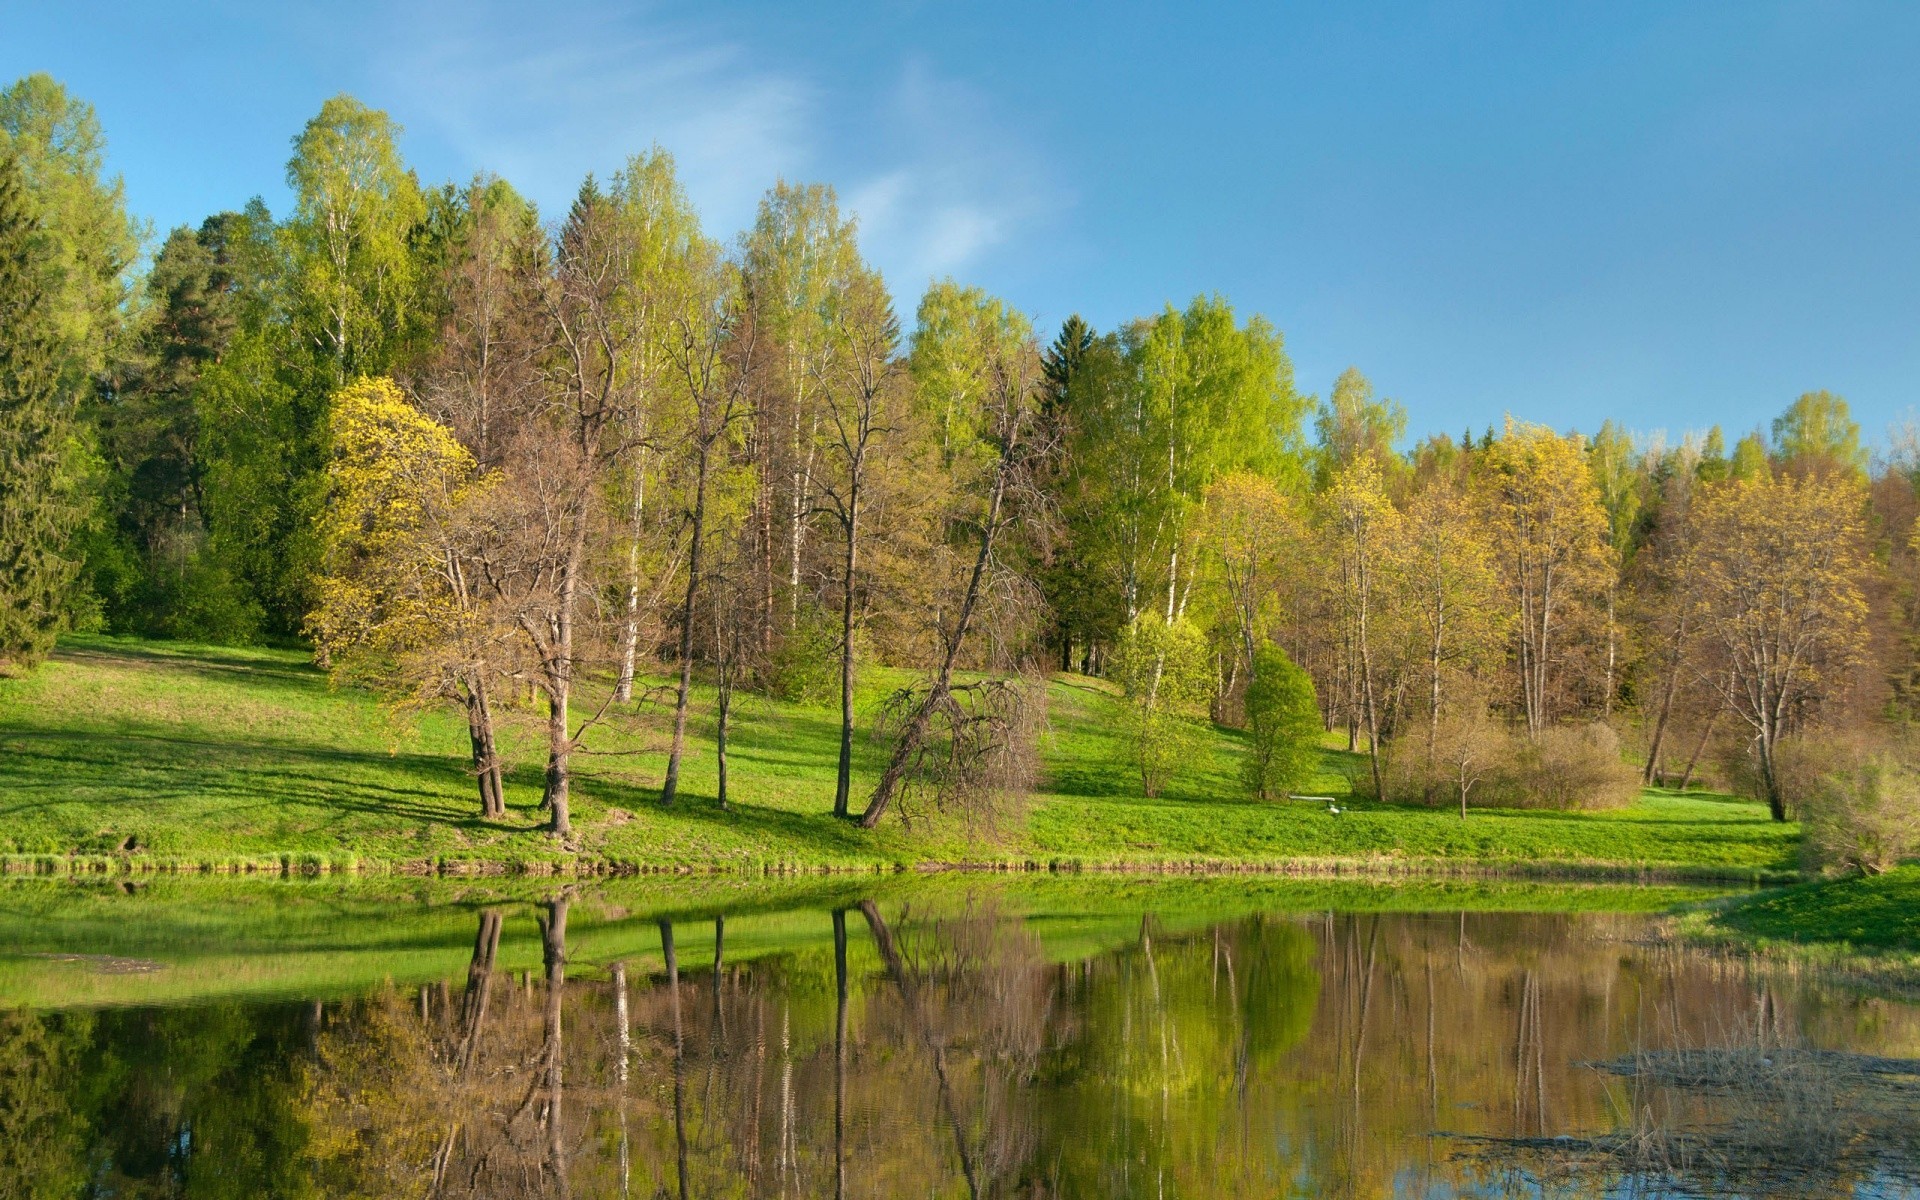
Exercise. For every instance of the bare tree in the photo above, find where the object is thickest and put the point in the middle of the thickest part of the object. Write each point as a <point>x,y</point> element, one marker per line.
<point>857,390</point>
<point>1008,379</point>
<point>711,349</point>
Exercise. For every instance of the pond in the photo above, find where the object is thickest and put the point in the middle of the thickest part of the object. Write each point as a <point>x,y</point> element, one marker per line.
<point>954,1037</point>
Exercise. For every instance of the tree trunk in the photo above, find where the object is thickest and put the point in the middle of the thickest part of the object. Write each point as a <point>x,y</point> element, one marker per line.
<point>1652,769</point>
<point>843,780</point>
<point>559,744</point>
<point>723,711</point>
<point>486,754</point>
<point>671,788</point>
<point>1693,760</point>
<point>630,626</point>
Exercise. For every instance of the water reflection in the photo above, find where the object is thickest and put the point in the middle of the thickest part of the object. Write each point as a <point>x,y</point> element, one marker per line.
<point>950,1049</point>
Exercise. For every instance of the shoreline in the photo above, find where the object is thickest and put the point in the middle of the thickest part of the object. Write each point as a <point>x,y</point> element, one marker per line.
<point>309,864</point>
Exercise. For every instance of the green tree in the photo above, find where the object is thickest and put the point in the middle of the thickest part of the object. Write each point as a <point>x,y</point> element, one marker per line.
<point>1818,434</point>
<point>1283,723</point>
<point>86,245</point>
<point>1209,396</point>
<point>356,206</point>
<point>1749,459</point>
<point>41,499</point>
<point>1167,676</point>
<point>1353,425</point>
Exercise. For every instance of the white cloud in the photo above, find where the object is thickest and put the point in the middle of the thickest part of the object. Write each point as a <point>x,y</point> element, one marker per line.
<point>939,179</point>
<point>543,103</point>
<point>957,182</point>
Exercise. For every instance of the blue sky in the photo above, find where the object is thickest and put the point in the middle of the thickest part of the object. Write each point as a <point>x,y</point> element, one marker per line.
<point>1674,215</point>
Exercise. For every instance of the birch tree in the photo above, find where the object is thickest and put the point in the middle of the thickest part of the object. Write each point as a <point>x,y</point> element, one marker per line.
<point>1776,567</point>
<point>1549,537</point>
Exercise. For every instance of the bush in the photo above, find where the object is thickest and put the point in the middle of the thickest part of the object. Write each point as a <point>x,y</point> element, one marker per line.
<point>1164,671</point>
<point>1283,721</point>
<point>806,666</point>
<point>1860,812</point>
<point>1573,767</point>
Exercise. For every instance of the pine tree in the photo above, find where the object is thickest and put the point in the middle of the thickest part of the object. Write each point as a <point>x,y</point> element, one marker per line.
<point>39,502</point>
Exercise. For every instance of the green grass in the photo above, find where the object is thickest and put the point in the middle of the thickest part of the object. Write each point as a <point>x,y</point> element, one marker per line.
<point>1877,913</point>
<point>227,758</point>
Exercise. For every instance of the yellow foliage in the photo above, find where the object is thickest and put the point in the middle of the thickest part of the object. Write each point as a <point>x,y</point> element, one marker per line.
<point>399,483</point>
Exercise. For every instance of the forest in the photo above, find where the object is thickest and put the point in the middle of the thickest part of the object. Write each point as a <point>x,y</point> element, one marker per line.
<point>574,470</point>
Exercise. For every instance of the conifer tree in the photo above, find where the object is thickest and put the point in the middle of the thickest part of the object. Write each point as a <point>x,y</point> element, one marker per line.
<point>40,505</point>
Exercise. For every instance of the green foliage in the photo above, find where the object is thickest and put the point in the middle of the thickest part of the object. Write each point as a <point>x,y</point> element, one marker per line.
<point>85,244</point>
<point>1283,722</point>
<point>805,669</point>
<point>1352,425</point>
<point>41,498</point>
<point>1860,809</point>
<point>1167,676</point>
<point>356,205</point>
<point>1818,432</point>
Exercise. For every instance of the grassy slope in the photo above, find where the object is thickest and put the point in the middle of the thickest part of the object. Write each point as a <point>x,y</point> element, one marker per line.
<point>1878,913</point>
<point>206,755</point>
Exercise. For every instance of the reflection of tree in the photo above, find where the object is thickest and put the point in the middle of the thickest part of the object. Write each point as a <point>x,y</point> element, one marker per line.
<point>939,1054</point>
<point>42,1137</point>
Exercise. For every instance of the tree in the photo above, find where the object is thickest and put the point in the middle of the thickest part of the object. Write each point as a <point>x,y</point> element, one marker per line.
<point>798,257</point>
<point>1447,580</point>
<point>1617,474</point>
<point>1776,566</point>
<point>1283,723</point>
<point>1209,396</point>
<point>1250,533</point>
<point>85,243</point>
<point>1549,538</point>
<point>1817,434</point>
<point>1360,527</point>
<point>979,378</point>
<point>859,389</point>
<point>1468,747</point>
<point>41,503</point>
<point>355,205</point>
<point>1163,670</point>
<point>710,344</point>
<point>1352,425</point>
<point>399,602</point>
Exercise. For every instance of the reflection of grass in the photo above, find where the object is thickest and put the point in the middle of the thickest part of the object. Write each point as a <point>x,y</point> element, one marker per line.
<point>144,752</point>
<point>324,938</point>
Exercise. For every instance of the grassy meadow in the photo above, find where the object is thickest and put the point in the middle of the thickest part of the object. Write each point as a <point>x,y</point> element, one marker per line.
<point>121,752</point>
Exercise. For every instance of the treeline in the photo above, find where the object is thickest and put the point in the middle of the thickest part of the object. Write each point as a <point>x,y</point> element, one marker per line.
<point>474,454</point>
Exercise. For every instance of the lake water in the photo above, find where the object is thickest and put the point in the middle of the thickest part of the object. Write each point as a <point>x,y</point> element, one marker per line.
<point>900,1039</point>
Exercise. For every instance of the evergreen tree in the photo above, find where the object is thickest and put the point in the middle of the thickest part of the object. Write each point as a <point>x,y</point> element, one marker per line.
<point>40,502</point>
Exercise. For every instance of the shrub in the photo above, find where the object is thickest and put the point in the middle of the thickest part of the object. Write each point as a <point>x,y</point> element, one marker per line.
<point>806,666</point>
<point>1283,721</point>
<point>1860,812</point>
<point>1164,671</point>
<point>1568,767</point>
<point>1575,767</point>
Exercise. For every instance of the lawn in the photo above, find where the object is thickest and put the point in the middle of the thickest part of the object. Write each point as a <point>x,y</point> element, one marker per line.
<point>149,753</point>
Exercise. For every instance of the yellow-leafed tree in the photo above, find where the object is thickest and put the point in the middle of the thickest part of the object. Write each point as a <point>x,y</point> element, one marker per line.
<point>397,607</point>
<point>1776,567</point>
